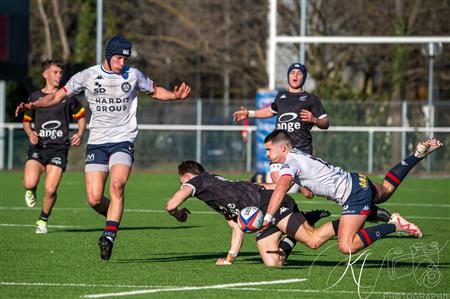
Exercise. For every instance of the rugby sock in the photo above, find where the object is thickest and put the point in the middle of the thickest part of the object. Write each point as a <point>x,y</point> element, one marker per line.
<point>102,207</point>
<point>396,175</point>
<point>335,224</point>
<point>111,230</point>
<point>378,214</point>
<point>287,244</point>
<point>373,233</point>
<point>44,216</point>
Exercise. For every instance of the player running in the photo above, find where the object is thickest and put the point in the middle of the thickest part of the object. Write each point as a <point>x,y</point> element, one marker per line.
<point>228,198</point>
<point>49,141</point>
<point>354,192</point>
<point>111,89</point>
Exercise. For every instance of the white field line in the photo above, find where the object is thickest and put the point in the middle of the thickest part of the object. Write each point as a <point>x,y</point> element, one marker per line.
<point>82,285</point>
<point>33,225</point>
<point>386,293</point>
<point>204,212</point>
<point>194,288</point>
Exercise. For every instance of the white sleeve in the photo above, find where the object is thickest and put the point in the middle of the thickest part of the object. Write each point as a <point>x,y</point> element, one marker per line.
<point>275,167</point>
<point>76,83</point>
<point>289,167</point>
<point>144,83</point>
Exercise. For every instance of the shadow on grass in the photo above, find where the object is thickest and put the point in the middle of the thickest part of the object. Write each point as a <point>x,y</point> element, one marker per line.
<point>87,230</point>
<point>176,257</point>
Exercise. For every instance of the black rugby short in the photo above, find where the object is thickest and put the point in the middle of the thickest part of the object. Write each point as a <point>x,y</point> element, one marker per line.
<point>49,156</point>
<point>287,207</point>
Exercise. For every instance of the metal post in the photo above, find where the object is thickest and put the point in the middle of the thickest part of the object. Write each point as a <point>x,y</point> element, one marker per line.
<point>248,166</point>
<point>198,134</point>
<point>99,31</point>
<point>370,153</point>
<point>430,121</point>
<point>271,55</point>
<point>404,125</point>
<point>2,122</point>
<point>302,29</point>
<point>10,147</point>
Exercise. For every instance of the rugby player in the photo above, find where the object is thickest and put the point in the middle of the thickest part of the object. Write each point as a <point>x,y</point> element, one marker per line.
<point>111,89</point>
<point>228,198</point>
<point>49,141</point>
<point>354,192</point>
<point>297,112</point>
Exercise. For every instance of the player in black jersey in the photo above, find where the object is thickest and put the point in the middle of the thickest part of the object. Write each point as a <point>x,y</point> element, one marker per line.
<point>49,141</point>
<point>297,112</point>
<point>228,198</point>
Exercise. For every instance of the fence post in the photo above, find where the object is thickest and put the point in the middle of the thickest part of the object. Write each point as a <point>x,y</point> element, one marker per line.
<point>404,123</point>
<point>249,151</point>
<point>198,135</point>
<point>10,147</point>
<point>370,152</point>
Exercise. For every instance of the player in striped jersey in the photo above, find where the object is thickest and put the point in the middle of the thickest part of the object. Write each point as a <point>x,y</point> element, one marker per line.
<point>354,192</point>
<point>111,90</point>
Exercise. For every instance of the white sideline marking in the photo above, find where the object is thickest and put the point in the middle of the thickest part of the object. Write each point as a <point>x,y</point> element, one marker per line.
<point>73,285</point>
<point>87,209</point>
<point>217,286</point>
<point>387,293</point>
<point>33,225</point>
<point>215,213</point>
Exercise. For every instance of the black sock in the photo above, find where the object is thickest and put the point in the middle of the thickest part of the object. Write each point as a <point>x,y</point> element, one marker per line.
<point>111,228</point>
<point>373,233</point>
<point>44,216</point>
<point>396,175</point>
<point>287,245</point>
<point>335,224</point>
<point>102,207</point>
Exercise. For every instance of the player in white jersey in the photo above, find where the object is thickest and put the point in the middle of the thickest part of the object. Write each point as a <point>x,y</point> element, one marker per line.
<point>111,90</point>
<point>354,192</point>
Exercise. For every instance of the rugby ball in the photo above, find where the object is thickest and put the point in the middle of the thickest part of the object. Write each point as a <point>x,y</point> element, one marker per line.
<point>250,219</point>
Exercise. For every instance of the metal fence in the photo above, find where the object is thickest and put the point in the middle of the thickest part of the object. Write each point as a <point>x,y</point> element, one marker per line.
<point>364,136</point>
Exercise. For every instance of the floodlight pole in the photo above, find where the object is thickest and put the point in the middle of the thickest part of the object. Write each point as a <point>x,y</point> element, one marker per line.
<point>99,31</point>
<point>272,43</point>
<point>303,4</point>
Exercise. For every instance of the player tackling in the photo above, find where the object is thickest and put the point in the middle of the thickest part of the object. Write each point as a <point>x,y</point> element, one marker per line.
<point>354,192</point>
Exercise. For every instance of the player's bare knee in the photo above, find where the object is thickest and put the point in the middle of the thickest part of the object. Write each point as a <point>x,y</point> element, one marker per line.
<point>117,187</point>
<point>345,248</point>
<point>275,263</point>
<point>94,200</point>
<point>28,185</point>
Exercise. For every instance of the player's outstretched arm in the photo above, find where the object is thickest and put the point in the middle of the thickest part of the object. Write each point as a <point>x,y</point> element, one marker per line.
<point>244,113</point>
<point>177,199</point>
<point>46,101</point>
<point>237,236</point>
<point>178,93</point>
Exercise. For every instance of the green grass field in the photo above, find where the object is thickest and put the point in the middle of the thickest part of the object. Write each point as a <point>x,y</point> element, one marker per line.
<point>157,257</point>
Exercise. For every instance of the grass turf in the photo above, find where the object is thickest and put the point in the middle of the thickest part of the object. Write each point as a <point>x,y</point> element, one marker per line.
<point>163,258</point>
